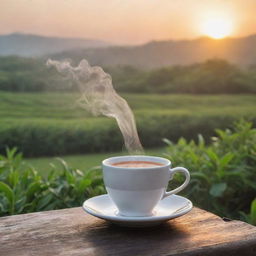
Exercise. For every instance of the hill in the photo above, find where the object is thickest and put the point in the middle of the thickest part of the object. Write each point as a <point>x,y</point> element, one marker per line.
<point>155,54</point>
<point>240,51</point>
<point>33,45</point>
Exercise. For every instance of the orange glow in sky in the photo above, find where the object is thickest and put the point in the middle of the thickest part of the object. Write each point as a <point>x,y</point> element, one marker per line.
<point>129,21</point>
<point>217,25</point>
<point>217,29</point>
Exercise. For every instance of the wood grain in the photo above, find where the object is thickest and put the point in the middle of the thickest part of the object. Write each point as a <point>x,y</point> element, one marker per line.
<point>73,232</point>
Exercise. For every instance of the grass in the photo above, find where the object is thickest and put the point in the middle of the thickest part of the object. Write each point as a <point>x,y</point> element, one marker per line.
<point>81,162</point>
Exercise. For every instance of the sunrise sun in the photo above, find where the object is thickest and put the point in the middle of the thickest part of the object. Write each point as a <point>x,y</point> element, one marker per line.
<point>217,27</point>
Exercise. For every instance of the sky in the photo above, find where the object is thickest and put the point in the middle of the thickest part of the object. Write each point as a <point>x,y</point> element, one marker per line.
<point>128,21</point>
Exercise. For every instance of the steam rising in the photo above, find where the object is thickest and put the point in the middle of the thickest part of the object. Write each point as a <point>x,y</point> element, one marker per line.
<point>99,97</point>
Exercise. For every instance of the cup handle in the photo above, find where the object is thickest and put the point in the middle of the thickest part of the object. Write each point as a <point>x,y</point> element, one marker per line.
<point>178,189</point>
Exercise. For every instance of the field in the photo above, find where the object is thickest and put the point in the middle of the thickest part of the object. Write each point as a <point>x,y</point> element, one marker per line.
<point>50,124</point>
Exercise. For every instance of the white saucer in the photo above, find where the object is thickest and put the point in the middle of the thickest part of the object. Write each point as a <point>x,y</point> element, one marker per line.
<point>169,208</point>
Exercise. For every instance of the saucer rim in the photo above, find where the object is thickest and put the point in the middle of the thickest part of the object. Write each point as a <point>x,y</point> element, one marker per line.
<point>120,218</point>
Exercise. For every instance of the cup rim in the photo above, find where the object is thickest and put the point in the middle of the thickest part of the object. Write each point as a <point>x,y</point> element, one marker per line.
<point>164,161</point>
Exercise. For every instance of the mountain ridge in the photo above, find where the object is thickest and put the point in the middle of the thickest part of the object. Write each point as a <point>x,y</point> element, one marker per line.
<point>30,45</point>
<point>155,54</point>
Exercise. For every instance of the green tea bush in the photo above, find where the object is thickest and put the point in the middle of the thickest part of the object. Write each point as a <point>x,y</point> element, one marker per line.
<point>23,189</point>
<point>223,172</point>
<point>59,137</point>
<point>222,177</point>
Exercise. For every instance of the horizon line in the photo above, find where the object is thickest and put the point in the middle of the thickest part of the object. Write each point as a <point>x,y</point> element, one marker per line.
<point>123,44</point>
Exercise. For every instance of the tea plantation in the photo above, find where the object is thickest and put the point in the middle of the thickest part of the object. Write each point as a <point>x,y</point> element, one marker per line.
<point>49,124</point>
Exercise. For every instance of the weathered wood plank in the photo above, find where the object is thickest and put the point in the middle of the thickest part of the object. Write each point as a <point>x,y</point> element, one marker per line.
<point>73,232</point>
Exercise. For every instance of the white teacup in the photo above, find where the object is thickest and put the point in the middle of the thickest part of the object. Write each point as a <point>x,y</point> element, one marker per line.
<point>137,190</point>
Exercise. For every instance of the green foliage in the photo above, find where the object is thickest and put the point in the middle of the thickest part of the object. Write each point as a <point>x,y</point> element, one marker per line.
<point>19,74</point>
<point>222,177</point>
<point>223,172</point>
<point>23,189</point>
<point>252,216</point>
<point>45,124</point>
<point>214,76</point>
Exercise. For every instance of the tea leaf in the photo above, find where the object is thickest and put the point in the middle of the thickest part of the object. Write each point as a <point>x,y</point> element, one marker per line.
<point>201,141</point>
<point>166,141</point>
<point>253,212</point>
<point>4,188</point>
<point>33,187</point>
<point>42,203</point>
<point>226,159</point>
<point>83,184</point>
<point>212,155</point>
<point>13,178</point>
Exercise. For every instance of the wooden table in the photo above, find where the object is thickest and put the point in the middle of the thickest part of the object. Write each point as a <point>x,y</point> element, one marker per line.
<point>73,232</point>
